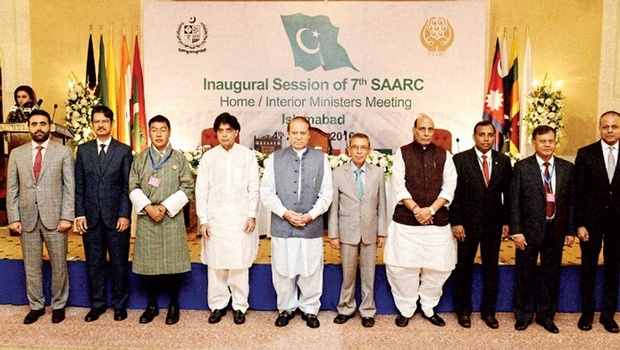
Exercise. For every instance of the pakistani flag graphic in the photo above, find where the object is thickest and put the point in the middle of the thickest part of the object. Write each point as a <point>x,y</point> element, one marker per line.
<point>314,41</point>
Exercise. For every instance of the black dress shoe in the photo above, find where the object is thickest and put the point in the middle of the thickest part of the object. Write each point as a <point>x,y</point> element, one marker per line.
<point>464,321</point>
<point>609,324</point>
<point>283,318</point>
<point>368,322</point>
<point>149,314</point>
<point>120,314</point>
<point>435,320</point>
<point>58,315</point>
<point>402,321</point>
<point>216,315</point>
<point>342,318</point>
<point>33,316</point>
<point>522,325</point>
<point>311,320</point>
<point>549,326</point>
<point>238,317</point>
<point>491,322</point>
<point>173,315</point>
<point>585,323</point>
<point>94,313</point>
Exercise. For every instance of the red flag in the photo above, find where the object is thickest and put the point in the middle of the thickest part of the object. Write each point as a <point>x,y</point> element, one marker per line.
<point>494,102</point>
<point>139,137</point>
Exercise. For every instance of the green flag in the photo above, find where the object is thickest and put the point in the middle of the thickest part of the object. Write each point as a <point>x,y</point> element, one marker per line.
<point>102,86</point>
<point>314,41</point>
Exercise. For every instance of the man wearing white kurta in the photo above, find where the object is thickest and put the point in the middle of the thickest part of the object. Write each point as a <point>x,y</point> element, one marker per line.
<point>420,250</point>
<point>297,189</point>
<point>227,195</point>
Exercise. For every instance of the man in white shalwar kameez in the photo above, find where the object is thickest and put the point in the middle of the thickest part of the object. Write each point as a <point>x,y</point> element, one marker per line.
<point>420,250</point>
<point>297,189</point>
<point>227,195</point>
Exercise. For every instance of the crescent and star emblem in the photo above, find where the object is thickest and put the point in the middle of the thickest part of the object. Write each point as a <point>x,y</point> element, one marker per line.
<point>302,46</point>
<point>192,19</point>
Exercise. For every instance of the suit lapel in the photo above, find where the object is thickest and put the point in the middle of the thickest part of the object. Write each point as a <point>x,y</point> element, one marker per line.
<point>47,159</point>
<point>496,170</point>
<point>350,178</point>
<point>534,168</point>
<point>474,162</point>
<point>109,155</point>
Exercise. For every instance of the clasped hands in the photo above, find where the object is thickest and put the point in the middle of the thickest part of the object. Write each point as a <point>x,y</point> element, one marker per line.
<point>155,211</point>
<point>423,215</point>
<point>297,219</point>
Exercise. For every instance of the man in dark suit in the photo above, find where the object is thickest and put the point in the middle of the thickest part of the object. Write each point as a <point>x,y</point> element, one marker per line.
<point>597,207</point>
<point>103,210</point>
<point>479,216</point>
<point>541,221</point>
<point>39,201</point>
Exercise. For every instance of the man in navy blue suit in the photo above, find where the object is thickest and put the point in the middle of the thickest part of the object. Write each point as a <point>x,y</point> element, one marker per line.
<point>103,210</point>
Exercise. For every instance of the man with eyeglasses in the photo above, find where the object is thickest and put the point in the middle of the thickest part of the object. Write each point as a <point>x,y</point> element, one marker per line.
<point>357,226</point>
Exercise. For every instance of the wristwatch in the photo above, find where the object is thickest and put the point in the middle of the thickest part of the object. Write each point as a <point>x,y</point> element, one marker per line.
<point>432,211</point>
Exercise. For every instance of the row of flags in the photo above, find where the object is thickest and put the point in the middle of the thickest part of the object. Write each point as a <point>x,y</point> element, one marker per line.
<point>123,93</point>
<point>506,99</point>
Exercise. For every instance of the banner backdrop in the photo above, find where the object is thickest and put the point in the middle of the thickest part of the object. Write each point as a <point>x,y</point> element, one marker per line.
<point>347,66</point>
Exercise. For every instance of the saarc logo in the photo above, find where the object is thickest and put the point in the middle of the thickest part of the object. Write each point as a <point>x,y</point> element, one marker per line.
<point>314,42</point>
<point>437,35</point>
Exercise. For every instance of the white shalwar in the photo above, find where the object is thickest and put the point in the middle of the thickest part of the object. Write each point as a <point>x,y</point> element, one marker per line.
<point>297,263</point>
<point>419,259</point>
<point>227,194</point>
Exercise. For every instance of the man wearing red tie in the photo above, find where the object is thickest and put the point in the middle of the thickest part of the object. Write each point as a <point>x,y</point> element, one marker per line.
<point>597,207</point>
<point>479,217</point>
<point>541,222</point>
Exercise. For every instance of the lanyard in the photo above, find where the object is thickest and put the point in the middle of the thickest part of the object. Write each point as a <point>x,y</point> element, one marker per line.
<point>160,164</point>
<point>548,179</point>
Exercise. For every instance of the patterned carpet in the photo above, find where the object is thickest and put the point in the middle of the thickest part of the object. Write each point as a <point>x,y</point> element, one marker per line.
<point>10,249</point>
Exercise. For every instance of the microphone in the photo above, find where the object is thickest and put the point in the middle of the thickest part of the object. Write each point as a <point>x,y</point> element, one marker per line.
<point>458,146</point>
<point>38,105</point>
<point>55,106</point>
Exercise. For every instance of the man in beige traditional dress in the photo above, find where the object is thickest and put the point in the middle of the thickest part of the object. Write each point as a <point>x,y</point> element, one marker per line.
<point>160,184</point>
<point>227,195</point>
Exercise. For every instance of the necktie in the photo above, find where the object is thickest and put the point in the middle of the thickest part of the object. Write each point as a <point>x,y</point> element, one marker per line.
<point>550,207</point>
<point>358,182</point>
<point>102,154</point>
<point>485,170</point>
<point>38,160</point>
<point>611,164</point>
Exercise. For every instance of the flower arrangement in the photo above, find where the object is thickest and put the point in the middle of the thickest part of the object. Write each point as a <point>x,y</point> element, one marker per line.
<point>383,161</point>
<point>545,107</point>
<point>260,158</point>
<point>80,102</point>
<point>194,157</point>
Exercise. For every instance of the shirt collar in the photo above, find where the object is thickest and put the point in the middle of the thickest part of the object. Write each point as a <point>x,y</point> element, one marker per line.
<point>165,149</point>
<point>480,154</point>
<point>44,144</point>
<point>106,143</point>
<point>606,146</point>
<point>354,167</point>
<point>541,162</point>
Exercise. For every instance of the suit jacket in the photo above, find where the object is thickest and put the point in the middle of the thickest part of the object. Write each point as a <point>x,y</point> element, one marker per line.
<point>595,197</point>
<point>528,200</point>
<point>479,208</point>
<point>52,198</point>
<point>354,219</point>
<point>103,189</point>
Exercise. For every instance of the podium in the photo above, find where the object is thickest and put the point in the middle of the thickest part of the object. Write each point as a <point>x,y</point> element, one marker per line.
<point>17,134</point>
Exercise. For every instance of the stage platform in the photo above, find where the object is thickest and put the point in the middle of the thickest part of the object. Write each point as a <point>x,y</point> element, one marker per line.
<point>262,295</point>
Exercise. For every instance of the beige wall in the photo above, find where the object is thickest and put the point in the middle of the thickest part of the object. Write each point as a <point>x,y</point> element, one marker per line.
<point>59,37</point>
<point>565,35</point>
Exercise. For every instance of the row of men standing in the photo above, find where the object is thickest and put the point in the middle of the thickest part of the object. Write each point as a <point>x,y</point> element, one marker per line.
<point>298,193</point>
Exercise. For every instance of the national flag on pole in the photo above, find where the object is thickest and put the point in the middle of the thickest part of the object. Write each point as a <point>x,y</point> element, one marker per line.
<point>515,116</point>
<point>494,102</point>
<point>91,75</point>
<point>139,135</point>
<point>527,81</point>
<point>124,118</point>
<point>112,78</point>
<point>102,86</point>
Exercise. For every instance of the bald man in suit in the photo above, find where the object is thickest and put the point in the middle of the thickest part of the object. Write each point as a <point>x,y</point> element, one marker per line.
<point>40,198</point>
<point>357,226</point>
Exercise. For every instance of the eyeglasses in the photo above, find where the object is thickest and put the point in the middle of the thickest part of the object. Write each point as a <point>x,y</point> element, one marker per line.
<point>357,148</point>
